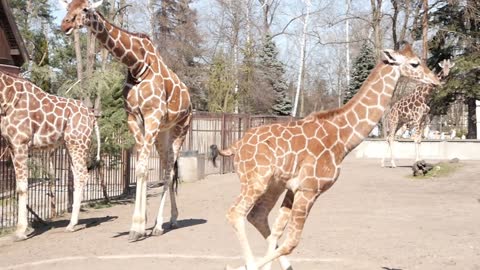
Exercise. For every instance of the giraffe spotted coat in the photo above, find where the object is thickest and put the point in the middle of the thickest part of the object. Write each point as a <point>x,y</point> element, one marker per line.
<point>37,120</point>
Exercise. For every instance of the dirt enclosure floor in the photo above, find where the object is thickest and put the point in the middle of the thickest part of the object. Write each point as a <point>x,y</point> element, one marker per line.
<point>372,218</point>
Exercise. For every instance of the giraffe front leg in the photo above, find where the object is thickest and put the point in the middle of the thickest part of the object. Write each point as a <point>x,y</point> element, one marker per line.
<point>278,230</point>
<point>418,137</point>
<point>258,217</point>
<point>303,202</point>
<point>78,155</point>
<point>20,155</point>
<point>139,218</point>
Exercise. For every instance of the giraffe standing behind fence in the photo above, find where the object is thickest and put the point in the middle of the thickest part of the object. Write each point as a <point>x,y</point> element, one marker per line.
<point>157,103</point>
<point>411,111</point>
<point>304,157</point>
<point>35,119</point>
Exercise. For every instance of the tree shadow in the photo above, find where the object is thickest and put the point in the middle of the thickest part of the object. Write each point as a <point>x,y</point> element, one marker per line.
<point>82,224</point>
<point>184,223</point>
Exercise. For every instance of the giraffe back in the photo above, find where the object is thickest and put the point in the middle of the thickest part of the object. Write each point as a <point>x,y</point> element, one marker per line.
<point>42,120</point>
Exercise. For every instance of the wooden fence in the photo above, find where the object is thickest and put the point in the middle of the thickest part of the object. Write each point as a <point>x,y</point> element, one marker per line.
<point>52,196</point>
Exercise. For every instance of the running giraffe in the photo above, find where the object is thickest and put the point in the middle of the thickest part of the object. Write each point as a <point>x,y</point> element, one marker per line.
<point>304,157</point>
<point>157,103</point>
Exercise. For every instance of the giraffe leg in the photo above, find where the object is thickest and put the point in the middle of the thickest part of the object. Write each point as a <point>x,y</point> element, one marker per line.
<point>302,203</point>
<point>139,218</point>
<point>391,141</point>
<point>162,145</point>
<point>258,216</point>
<point>20,156</point>
<point>78,155</point>
<point>249,195</point>
<point>418,137</point>
<point>176,139</point>
<point>279,228</point>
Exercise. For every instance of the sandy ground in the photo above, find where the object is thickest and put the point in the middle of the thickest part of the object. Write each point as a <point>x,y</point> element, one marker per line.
<point>372,218</point>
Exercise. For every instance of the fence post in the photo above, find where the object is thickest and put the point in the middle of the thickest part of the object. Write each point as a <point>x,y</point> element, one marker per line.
<point>126,170</point>
<point>69,188</point>
<point>222,134</point>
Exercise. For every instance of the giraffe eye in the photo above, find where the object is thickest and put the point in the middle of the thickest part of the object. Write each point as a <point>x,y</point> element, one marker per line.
<point>415,65</point>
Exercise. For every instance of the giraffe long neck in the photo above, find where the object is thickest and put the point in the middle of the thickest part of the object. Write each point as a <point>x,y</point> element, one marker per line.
<point>8,92</point>
<point>423,91</point>
<point>366,108</point>
<point>128,48</point>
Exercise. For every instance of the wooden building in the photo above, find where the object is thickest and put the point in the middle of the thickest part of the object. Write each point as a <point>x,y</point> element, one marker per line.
<point>13,53</point>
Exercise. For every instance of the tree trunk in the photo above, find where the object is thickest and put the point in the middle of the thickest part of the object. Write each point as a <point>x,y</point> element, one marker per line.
<point>376,20</point>
<point>472,118</point>
<point>406,18</point>
<point>78,54</point>
<point>301,66</point>
<point>151,11</point>
<point>396,10</point>
<point>425,31</point>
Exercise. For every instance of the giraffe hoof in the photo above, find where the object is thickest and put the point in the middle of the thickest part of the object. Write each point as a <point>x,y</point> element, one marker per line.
<point>157,231</point>
<point>173,225</point>
<point>19,237</point>
<point>135,236</point>
<point>70,228</point>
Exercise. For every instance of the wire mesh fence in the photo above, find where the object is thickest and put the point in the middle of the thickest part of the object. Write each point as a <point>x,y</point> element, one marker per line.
<point>50,180</point>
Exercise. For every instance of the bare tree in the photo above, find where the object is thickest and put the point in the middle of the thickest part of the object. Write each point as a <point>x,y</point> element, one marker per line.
<point>301,65</point>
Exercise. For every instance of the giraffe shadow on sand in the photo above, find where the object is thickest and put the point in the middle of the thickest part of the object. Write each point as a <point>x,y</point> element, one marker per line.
<point>82,224</point>
<point>166,226</point>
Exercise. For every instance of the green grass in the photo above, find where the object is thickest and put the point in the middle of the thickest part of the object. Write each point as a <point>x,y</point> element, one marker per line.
<point>100,205</point>
<point>6,231</point>
<point>442,169</point>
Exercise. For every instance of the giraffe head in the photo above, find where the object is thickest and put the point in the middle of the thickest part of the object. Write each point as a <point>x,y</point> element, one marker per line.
<point>410,65</point>
<point>76,16</point>
<point>446,65</point>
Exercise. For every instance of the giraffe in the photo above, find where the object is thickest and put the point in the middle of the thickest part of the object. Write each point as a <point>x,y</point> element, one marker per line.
<point>304,157</point>
<point>35,119</point>
<point>411,111</point>
<point>157,103</point>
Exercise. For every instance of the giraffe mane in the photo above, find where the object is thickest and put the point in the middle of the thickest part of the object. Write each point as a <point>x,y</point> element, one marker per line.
<point>137,34</point>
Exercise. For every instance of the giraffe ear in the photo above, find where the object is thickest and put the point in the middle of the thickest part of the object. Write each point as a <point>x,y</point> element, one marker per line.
<point>95,5</point>
<point>391,57</point>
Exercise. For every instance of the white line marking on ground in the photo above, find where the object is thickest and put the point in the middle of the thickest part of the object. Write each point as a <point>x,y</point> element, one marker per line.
<point>158,256</point>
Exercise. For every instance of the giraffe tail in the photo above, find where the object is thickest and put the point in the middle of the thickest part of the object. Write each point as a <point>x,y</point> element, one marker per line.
<point>97,134</point>
<point>215,152</point>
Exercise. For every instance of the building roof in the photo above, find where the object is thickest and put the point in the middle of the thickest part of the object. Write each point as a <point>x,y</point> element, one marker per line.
<point>18,50</point>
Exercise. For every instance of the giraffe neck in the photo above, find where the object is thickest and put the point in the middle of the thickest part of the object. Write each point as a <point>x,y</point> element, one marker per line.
<point>366,108</point>
<point>125,46</point>
<point>423,91</point>
<point>8,92</point>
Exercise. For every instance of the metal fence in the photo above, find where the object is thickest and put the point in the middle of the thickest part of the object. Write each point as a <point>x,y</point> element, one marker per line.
<point>50,192</point>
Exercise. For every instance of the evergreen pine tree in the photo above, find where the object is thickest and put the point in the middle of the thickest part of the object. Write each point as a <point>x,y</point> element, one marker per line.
<point>362,65</point>
<point>272,75</point>
<point>461,42</point>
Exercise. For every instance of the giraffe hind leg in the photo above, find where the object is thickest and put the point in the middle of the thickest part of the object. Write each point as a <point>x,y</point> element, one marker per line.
<point>258,216</point>
<point>20,156</point>
<point>174,141</point>
<point>78,156</point>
